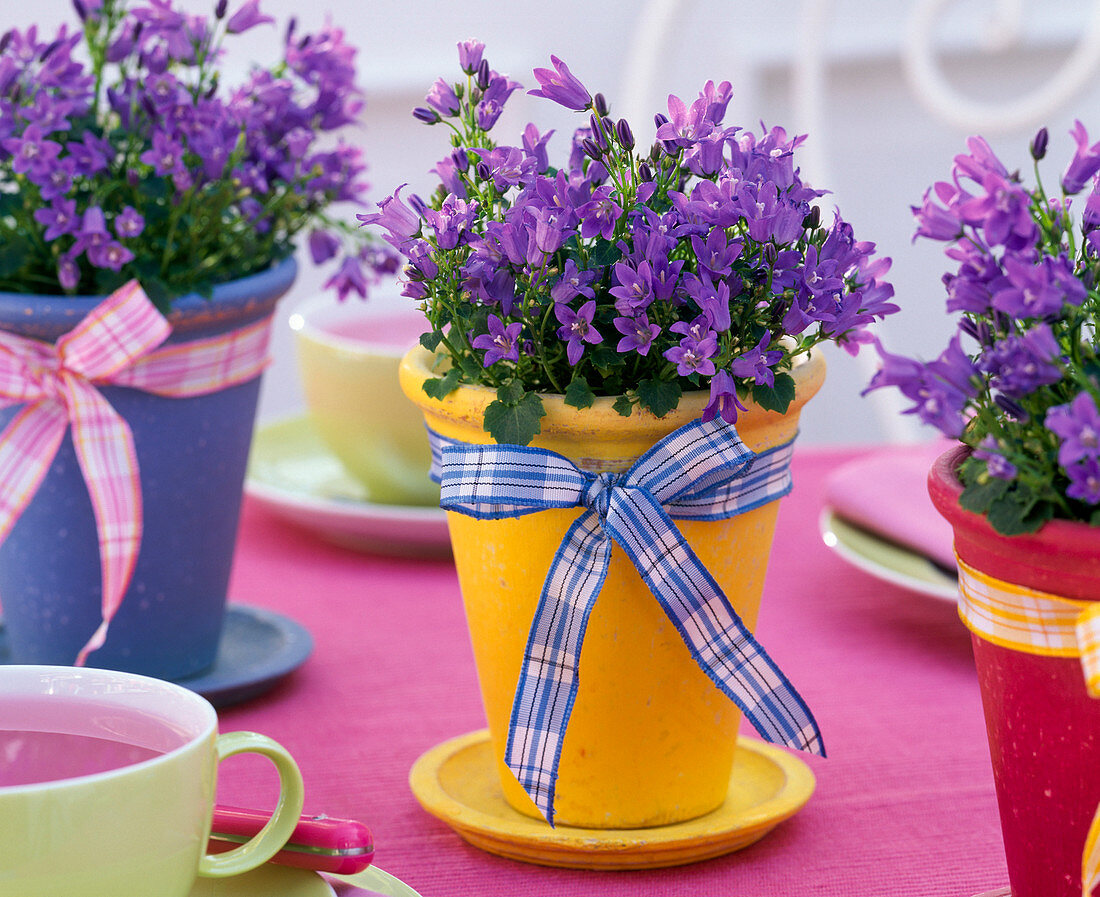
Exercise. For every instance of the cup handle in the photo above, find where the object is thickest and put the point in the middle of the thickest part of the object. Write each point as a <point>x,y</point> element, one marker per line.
<point>274,835</point>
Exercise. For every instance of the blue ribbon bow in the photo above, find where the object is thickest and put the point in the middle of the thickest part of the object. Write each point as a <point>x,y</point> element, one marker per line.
<point>702,471</point>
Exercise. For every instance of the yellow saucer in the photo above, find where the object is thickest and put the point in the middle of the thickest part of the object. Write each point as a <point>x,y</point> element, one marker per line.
<point>457,782</point>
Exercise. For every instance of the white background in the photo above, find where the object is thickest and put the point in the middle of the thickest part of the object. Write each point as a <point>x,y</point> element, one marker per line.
<point>836,69</point>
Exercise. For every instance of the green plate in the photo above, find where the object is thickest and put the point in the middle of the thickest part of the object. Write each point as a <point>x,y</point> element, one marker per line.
<point>294,476</point>
<point>886,560</point>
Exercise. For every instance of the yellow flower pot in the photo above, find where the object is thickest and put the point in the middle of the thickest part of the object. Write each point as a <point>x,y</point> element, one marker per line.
<point>650,741</point>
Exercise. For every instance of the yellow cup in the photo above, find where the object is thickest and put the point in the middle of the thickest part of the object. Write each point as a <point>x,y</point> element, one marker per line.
<point>348,355</point>
<point>107,784</point>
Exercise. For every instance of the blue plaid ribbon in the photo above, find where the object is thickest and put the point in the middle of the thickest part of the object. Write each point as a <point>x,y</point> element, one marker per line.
<point>702,471</point>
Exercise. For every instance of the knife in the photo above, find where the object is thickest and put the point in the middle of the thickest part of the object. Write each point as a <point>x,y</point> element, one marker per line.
<point>319,843</point>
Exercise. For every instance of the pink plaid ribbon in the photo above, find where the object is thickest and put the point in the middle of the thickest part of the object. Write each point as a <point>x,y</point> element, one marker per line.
<point>113,345</point>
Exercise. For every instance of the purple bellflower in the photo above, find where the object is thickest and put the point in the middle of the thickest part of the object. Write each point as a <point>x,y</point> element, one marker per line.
<point>758,362</point>
<point>561,86</point>
<point>1085,162</point>
<point>723,399</point>
<point>500,343</point>
<point>577,328</point>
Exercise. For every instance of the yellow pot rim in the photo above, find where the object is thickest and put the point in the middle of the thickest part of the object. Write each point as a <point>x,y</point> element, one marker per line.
<point>468,403</point>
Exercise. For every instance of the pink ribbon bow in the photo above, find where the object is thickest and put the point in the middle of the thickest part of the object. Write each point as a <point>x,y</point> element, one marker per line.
<point>112,345</point>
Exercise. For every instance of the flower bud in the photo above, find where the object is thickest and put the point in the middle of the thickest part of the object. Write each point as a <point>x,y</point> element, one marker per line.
<point>81,11</point>
<point>484,74</point>
<point>426,115</point>
<point>645,173</point>
<point>625,135</point>
<point>659,119</point>
<point>599,134</point>
<point>1011,408</point>
<point>219,10</point>
<point>968,327</point>
<point>461,159</point>
<point>1039,144</point>
<point>813,219</point>
<point>6,40</point>
<point>599,103</point>
<point>483,171</point>
<point>49,50</point>
<point>591,148</point>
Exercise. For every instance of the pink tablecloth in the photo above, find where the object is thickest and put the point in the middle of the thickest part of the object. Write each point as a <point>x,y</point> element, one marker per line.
<point>904,804</point>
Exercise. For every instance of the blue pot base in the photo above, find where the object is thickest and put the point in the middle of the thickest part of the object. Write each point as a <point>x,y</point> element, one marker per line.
<point>258,648</point>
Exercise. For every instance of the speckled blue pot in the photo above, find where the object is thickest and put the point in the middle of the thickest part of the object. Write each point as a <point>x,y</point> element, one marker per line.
<point>192,454</point>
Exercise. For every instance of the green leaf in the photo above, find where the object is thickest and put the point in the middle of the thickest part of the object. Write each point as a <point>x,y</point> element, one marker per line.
<point>623,405</point>
<point>13,255</point>
<point>659,396</point>
<point>604,358</point>
<point>1011,514</point>
<point>517,423</point>
<point>578,393</point>
<point>469,364</point>
<point>431,340</point>
<point>777,397</point>
<point>1010,509</point>
<point>511,393</point>
<point>979,496</point>
<point>158,293</point>
<point>441,387</point>
<point>604,255</point>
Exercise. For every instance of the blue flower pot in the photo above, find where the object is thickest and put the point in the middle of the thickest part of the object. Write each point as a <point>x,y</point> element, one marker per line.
<point>192,454</point>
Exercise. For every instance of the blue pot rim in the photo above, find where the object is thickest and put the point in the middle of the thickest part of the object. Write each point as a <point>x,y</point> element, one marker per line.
<point>267,284</point>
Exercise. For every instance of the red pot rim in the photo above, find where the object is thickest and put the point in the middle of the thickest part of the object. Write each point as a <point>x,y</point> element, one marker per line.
<point>1062,557</point>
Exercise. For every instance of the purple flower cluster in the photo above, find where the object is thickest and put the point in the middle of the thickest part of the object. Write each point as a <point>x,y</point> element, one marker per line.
<point>702,264</point>
<point>1023,391</point>
<point>1077,424</point>
<point>140,164</point>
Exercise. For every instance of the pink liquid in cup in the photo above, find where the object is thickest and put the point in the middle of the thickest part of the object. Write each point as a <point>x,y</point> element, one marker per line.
<point>395,330</point>
<point>48,738</point>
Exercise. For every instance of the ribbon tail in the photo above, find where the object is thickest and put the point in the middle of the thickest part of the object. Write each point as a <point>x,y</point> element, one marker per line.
<point>549,680</point>
<point>1090,860</point>
<point>27,448</point>
<point>105,451</point>
<point>1088,644</point>
<point>202,366</point>
<point>718,639</point>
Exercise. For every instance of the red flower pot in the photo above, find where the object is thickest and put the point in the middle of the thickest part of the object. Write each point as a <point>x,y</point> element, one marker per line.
<point>1043,727</point>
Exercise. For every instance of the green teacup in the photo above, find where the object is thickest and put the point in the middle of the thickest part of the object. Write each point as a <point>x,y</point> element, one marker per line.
<point>348,354</point>
<point>107,786</point>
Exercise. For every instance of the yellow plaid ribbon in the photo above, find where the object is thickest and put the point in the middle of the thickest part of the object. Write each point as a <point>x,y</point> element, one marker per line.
<point>1023,619</point>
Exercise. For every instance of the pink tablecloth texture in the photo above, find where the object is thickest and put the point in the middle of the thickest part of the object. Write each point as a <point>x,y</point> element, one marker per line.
<point>904,805</point>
